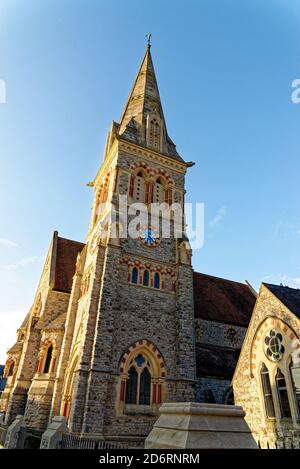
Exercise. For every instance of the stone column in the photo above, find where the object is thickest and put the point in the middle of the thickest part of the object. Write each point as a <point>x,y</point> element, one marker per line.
<point>52,437</point>
<point>185,345</point>
<point>16,434</point>
<point>101,365</point>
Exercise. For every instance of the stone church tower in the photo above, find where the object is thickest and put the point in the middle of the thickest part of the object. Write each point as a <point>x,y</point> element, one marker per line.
<point>129,333</point>
<point>121,323</point>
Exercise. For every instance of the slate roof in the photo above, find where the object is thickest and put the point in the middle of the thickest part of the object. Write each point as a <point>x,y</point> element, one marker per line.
<point>290,297</point>
<point>67,251</point>
<point>216,362</point>
<point>218,299</point>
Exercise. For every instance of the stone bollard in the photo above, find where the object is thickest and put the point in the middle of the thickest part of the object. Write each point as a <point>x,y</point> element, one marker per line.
<point>200,426</point>
<point>16,434</point>
<point>52,437</point>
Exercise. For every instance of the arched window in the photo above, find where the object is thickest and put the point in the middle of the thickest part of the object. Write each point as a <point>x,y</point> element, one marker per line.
<point>156,280</point>
<point>283,395</point>
<point>145,387</point>
<point>48,359</point>
<point>11,369</point>
<point>159,191</point>
<point>131,386</point>
<point>267,391</point>
<point>142,379</point>
<point>138,386</point>
<point>154,134</point>
<point>295,377</point>
<point>146,278</point>
<point>134,275</point>
<point>139,187</point>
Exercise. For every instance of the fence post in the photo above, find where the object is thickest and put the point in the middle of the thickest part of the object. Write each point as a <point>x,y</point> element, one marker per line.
<point>52,437</point>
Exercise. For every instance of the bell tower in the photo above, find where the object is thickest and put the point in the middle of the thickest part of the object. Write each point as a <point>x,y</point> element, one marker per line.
<point>129,340</point>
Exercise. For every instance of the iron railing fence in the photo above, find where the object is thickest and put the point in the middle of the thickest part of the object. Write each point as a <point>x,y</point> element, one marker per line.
<point>82,442</point>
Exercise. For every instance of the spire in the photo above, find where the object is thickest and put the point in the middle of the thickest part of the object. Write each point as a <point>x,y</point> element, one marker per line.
<point>144,109</point>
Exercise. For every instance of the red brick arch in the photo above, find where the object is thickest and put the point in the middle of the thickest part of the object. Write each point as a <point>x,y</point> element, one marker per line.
<point>144,344</point>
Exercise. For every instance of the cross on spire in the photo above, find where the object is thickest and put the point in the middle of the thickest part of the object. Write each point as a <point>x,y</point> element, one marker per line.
<point>148,36</point>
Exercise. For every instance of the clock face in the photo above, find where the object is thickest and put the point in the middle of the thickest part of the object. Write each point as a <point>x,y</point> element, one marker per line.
<point>149,237</point>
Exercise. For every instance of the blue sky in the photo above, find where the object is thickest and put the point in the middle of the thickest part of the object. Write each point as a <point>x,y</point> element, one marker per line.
<point>224,70</point>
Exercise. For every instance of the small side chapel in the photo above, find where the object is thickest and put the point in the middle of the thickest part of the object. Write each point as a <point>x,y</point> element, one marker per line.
<point>120,325</point>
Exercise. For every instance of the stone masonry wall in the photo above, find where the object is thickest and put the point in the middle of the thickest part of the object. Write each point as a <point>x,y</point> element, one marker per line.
<point>246,382</point>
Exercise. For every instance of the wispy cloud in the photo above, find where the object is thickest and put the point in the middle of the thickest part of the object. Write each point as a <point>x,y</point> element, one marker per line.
<point>284,229</point>
<point>23,262</point>
<point>221,213</point>
<point>277,279</point>
<point>8,243</point>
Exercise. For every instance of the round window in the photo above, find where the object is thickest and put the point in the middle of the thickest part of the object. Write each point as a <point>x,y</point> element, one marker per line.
<point>273,346</point>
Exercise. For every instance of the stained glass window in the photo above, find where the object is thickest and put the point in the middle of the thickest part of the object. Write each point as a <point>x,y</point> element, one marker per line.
<point>139,360</point>
<point>138,386</point>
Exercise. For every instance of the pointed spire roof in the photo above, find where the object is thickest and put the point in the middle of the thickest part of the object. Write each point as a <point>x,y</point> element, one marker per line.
<point>144,102</point>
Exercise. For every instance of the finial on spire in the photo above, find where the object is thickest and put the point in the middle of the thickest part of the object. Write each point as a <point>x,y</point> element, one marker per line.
<point>148,36</point>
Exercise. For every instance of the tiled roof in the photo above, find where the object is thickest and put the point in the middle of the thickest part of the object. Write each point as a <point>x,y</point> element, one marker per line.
<point>67,251</point>
<point>218,362</point>
<point>290,297</point>
<point>217,299</point>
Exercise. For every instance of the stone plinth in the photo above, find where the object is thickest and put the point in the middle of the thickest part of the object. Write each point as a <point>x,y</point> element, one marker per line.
<point>52,437</point>
<point>200,426</point>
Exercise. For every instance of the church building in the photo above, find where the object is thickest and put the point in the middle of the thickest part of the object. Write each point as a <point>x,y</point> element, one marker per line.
<point>120,325</point>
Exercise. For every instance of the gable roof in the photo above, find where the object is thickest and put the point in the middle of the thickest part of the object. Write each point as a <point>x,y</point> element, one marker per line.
<point>65,263</point>
<point>216,362</point>
<point>218,299</point>
<point>290,297</point>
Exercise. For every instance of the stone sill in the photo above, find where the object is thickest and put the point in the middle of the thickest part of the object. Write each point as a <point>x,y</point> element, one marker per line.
<point>144,287</point>
<point>44,376</point>
<point>139,410</point>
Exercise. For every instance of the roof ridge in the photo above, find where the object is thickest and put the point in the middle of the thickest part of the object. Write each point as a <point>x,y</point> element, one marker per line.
<point>221,278</point>
<point>72,240</point>
<point>281,286</point>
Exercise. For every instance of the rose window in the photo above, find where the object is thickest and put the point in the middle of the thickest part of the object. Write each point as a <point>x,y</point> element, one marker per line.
<point>274,348</point>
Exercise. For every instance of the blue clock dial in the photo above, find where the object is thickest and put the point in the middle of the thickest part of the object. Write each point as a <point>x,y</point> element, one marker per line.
<point>149,237</point>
